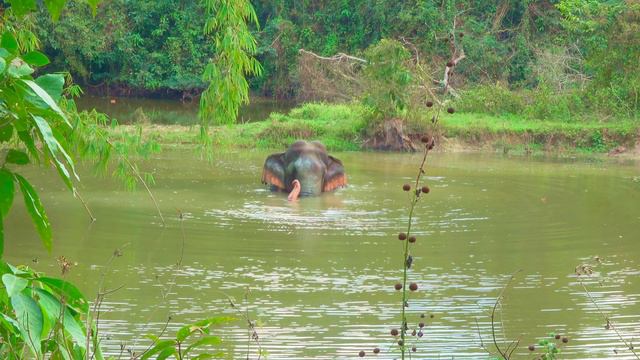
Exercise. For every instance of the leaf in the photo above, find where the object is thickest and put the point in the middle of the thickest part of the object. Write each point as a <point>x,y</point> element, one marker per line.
<point>9,42</point>
<point>17,157</point>
<point>55,8</point>
<point>207,340</point>
<point>1,237</point>
<point>53,84</point>
<point>6,132</point>
<point>27,140</point>
<point>202,326</point>
<point>35,58</point>
<point>3,64</point>
<point>166,353</point>
<point>94,6</point>
<point>22,7</point>
<point>14,284</point>
<point>72,295</point>
<point>46,98</point>
<point>36,210</point>
<point>55,149</point>
<point>19,69</point>
<point>30,320</point>
<point>7,191</point>
<point>53,309</point>
<point>157,348</point>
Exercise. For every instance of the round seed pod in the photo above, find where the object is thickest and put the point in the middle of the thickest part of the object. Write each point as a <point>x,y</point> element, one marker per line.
<point>461,35</point>
<point>429,103</point>
<point>425,189</point>
<point>402,236</point>
<point>400,343</point>
<point>361,353</point>
<point>558,336</point>
<point>565,339</point>
<point>425,139</point>
<point>422,316</point>
<point>413,333</point>
<point>532,348</point>
<point>376,350</point>
<point>432,316</point>
<point>412,239</point>
<point>394,332</point>
<point>413,287</point>
<point>406,187</point>
<point>451,110</point>
<point>398,286</point>
<point>414,349</point>
<point>420,334</point>
<point>421,325</point>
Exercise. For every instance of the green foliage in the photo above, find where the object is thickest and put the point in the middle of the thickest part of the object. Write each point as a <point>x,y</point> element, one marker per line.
<point>190,342</point>
<point>387,79</point>
<point>226,74</point>
<point>43,315</point>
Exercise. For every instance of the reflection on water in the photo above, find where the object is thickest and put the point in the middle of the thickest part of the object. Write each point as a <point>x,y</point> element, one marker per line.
<point>321,270</point>
<point>174,112</point>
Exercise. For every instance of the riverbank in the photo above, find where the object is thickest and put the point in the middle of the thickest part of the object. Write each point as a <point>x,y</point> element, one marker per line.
<point>343,127</point>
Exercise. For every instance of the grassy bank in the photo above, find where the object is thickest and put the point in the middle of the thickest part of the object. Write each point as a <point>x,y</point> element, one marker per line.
<point>344,128</point>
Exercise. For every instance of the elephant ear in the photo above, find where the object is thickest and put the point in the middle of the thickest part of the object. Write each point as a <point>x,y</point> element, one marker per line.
<point>273,171</point>
<point>335,176</point>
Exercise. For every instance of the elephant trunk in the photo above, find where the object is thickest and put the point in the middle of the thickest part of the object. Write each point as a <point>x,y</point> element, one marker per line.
<point>295,192</point>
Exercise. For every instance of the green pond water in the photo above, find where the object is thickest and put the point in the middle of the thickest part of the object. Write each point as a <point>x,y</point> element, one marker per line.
<point>172,112</point>
<point>321,270</point>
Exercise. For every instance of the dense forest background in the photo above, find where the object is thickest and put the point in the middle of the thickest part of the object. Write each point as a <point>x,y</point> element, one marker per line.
<point>586,51</point>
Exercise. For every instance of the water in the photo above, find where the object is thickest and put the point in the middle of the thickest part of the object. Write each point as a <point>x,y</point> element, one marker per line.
<point>321,270</point>
<point>172,112</point>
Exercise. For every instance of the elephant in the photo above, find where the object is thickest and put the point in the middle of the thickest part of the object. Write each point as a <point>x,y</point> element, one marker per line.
<point>305,169</point>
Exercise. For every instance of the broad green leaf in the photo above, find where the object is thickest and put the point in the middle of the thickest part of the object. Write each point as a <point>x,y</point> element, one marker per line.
<point>4,53</point>
<point>53,84</point>
<point>72,295</point>
<point>55,8</point>
<point>3,64</point>
<point>18,70</point>
<point>6,132</point>
<point>1,236</point>
<point>166,353</point>
<point>7,190</point>
<point>46,98</point>
<point>52,309</point>
<point>14,284</point>
<point>9,42</point>
<point>157,348</point>
<point>207,340</point>
<point>7,320</point>
<point>22,7</point>
<point>35,58</point>
<point>36,210</point>
<point>30,320</point>
<point>17,157</point>
<point>55,149</point>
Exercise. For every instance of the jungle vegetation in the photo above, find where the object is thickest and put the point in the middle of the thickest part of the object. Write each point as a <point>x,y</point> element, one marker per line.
<point>546,59</point>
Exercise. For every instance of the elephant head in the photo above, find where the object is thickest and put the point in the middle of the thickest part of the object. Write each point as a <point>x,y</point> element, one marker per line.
<point>304,169</point>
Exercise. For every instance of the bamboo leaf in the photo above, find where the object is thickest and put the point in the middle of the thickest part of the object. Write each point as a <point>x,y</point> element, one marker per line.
<point>36,210</point>
<point>40,92</point>
<point>55,149</point>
